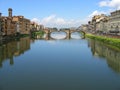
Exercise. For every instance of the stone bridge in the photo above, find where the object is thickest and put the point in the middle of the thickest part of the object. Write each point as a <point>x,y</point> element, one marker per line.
<point>68,33</point>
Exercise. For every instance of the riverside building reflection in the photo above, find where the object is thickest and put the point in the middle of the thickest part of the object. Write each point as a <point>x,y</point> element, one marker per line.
<point>102,50</point>
<point>13,49</point>
<point>58,65</point>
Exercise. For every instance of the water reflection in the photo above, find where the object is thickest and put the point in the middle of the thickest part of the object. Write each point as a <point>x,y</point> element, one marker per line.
<point>13,48</point>
<point>76,35</point>
<point>102,50</point>
<point>58,65</point>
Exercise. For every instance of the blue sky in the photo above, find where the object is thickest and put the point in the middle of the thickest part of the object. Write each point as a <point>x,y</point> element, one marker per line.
<point>59,13</point>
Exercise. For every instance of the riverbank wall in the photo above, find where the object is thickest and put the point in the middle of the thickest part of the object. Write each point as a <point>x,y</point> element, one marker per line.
<point>9,38</point>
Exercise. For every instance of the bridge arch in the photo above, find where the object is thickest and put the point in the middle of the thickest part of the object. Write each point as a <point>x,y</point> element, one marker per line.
<point>68,33</point>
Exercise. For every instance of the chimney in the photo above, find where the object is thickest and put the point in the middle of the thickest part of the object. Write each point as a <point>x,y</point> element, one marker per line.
<point>0,15</point>
<point>10,12</point>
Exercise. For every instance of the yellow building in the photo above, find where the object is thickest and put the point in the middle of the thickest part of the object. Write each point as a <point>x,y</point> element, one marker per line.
<point>22,24</point>
<point>8,26</point>
<point>100,23</point>
<point>14,24</point>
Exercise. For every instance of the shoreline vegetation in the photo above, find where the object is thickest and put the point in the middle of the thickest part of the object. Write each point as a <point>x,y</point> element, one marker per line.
<point>110,42</point>
<point>40,33</point>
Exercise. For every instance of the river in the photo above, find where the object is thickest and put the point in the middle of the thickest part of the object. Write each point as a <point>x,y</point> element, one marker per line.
<point>74,64</point>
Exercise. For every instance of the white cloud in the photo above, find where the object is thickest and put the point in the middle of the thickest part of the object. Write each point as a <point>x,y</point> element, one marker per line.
<point>103,3</point>
<point>55,21</point>
<point>96,12</point>
<point>110,3</point>
<point>35,20</point>
<point>48,19</point>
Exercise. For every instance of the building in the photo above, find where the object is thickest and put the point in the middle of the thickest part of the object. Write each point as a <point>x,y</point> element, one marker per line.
<point>8,26</point>
<point>0,26</point>
<point>85,27</point>
<point>103,24</point>
<point>11,25</point>
<point>100,23</point>
<point>34,26</point>
<point>41,27</point>
<point>22,25</point>
<point>114,22</point>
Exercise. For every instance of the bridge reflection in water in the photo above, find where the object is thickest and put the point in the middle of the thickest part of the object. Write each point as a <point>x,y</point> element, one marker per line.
<point>13,49</point>
<point>102,50</point>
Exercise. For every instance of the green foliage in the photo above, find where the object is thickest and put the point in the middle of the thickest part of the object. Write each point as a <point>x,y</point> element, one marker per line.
<point>40,33</point>
<point>24,35</point>
<point>82,33</point>
<point>111,41</point>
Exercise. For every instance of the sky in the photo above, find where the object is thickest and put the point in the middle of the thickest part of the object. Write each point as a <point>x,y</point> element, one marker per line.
<point>59,13</point>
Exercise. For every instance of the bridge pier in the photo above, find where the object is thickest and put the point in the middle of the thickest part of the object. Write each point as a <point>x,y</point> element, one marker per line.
<point>47,34</point>
<point>68,34</point>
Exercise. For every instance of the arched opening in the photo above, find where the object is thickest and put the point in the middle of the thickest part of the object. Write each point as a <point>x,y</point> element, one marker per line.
<point>117,28</point>
<point>58,35</point>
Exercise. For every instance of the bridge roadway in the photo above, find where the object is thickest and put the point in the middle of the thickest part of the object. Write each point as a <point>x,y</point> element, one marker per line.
<point>68,32</point>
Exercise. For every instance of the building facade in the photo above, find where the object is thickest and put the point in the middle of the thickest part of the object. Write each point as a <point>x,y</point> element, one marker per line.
<point>11,25</point>
<point>22,25</point>
<point>105,24</point>
<point>0,26</point>
<point>8,26</point>
<point>114,22</point>
<point>100,23</point>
